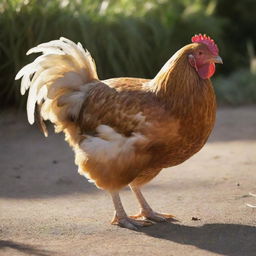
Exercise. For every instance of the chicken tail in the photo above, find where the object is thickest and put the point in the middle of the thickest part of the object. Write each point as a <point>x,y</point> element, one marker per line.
<point>57,81</point>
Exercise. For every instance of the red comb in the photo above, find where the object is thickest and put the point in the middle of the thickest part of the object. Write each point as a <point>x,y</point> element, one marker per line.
<point>204,39</point>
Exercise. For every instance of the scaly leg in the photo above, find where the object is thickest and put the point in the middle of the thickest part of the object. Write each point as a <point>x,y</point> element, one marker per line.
<point>121,218</point>
<point>146,211</point>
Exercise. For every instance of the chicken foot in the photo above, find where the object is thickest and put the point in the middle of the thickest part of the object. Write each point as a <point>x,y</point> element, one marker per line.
<point>146,211</point>
<point>121,218</point>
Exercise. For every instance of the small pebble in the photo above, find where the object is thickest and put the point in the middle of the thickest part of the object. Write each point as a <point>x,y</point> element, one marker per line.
<point>195,218</point>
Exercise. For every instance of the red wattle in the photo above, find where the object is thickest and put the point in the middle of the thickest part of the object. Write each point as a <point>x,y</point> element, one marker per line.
<point>206,71</point>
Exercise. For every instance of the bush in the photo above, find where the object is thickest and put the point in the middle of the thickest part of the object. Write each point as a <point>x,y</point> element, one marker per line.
<point>238,30</point>
<point>236,89</point>
<point>125,37</point>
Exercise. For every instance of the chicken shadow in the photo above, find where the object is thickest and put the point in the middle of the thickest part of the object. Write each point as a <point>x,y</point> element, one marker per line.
<point>24,248</point>
<point>41,169</point>
<point>223,239</point>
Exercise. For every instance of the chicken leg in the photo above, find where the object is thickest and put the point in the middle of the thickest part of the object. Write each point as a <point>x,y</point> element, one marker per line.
<point>121,218</point>
<point>146,211</point>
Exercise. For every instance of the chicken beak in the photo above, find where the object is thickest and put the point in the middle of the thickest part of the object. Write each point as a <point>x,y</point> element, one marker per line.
<point>217,59</point>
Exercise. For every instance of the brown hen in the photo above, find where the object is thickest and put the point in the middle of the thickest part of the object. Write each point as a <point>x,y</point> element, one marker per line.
<point>124,130</point>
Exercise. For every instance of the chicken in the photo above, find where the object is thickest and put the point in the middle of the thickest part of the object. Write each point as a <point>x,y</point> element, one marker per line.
<point>124,130</point>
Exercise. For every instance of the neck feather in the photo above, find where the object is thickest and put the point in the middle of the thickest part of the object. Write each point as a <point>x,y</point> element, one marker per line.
<point>179,87</point>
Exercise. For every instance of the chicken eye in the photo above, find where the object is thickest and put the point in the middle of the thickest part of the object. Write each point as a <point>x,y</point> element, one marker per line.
<point>200,52</point>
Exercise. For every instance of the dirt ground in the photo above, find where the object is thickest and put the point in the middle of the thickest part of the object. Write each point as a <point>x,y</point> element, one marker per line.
<point>48,209</point>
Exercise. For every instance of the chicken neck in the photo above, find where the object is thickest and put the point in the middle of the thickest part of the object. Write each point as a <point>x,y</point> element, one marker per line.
<point>180,88</point>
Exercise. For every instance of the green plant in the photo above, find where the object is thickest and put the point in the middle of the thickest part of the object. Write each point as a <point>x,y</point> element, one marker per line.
<point>236,89</point>
<point>125,37</point>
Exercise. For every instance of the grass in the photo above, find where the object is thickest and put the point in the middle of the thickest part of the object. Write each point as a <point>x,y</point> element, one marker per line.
<point>125,37</point>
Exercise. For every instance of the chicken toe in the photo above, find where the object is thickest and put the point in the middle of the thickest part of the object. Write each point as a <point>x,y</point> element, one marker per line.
<point>153,216</point>
<point>130,223</point>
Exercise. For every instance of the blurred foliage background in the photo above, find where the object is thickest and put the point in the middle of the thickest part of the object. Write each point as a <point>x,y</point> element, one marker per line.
<point>132,38</point>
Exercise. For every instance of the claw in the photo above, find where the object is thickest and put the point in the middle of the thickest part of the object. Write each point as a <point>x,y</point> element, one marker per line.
<point>154,216</point>
<point>130,223</point>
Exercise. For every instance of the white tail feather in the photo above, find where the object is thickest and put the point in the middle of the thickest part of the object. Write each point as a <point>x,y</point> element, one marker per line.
<point>59,76</point>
